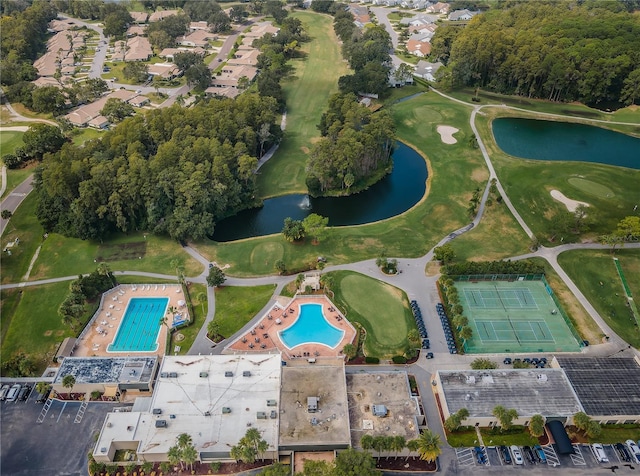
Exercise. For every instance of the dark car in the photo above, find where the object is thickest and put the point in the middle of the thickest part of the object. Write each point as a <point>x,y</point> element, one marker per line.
<point>480,456</point>
<point>504,453</point>
<point>528,453</point>
<point>507,361</point>
<point>429,355</point>
<point>623,452</point>
<point>24,393</point>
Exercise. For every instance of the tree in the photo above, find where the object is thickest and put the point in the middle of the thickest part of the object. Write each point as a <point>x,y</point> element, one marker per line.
<point>276,469</point>
<point>403,73</point>
<point>351,462</point>
<point>460,321</point>
<point>186,59</point>
<point>465,333</point>
<point>315,226</point>
<point>47,99</point>
<point>593,429</point>
<point>174,455</point>
<point>454,420</point>
<point>43,388</point>
<point>281,266</point>
<point>536,425</point>
<point>505,416</point>
<point>444,253</point>
<point>40,139</point>
<point>631,90</point>
<point>413,446</point>
<point>219,22</point>
<point>249,447</point>
<point>215,277</point>
<point>190,455</point>
<point>237,13</point>
<point>116,23</point>
<point>581,421</point>
<point>293,229</point>
<point>366,442</point>
<point>213,330</point>
<point>629,228</point>
<point>135,71</point>
<point>398,444</point>
<point>429,445</point>
<point>482,363</point>
<point>116,110</point>
<point>350,351</point>
<point>199,76</point>
<point>6,214</point>
<point>68,381</point>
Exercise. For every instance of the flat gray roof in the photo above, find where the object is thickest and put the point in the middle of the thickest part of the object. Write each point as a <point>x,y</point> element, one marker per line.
<point>390,389</point>
<point>529,391</point>
<point>107,369</point>
<point>605,386</point>
<point>325,380</point>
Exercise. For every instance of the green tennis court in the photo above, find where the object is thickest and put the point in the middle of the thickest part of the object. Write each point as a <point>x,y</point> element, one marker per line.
<point>514,316</point>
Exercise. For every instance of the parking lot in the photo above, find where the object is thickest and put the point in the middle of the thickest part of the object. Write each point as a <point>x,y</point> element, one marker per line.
<point>57,446</point>
<point>582,462</point>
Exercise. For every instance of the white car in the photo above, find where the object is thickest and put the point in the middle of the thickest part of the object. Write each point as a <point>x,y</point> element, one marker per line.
<point>598,453</point>
<point>517,455</point>
<point>634,450</point>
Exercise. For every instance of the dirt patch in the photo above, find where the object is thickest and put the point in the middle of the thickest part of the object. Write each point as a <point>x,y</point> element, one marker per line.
<point>59,333</point>
<point>205,468</point>
<point>121,251</point>
<point>403,464</point>
<point>305,149</point>
<point>48,333</point>
<point>479,175</point>
<point>432,268</point>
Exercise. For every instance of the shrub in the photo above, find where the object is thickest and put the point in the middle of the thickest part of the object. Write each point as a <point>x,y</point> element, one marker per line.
<point>371,360</point>
<point>399,359</point>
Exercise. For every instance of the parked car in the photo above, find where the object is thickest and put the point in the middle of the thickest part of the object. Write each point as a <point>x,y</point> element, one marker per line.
<point>620,448</point>
<point>507,361</point>
<point>480,456</point>
<point>3,392</point>
<point>12,394</point>
<point>599,453</point>
<point>429,355</point>
<point>504,453</point>
<point>24,393</point>
<point>517,455</point>
<point>634,450</point>
<point>542,458</point>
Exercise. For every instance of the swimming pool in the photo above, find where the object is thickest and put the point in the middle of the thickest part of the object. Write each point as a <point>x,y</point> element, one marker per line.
<point>311,327</point>
<point>138,331</point>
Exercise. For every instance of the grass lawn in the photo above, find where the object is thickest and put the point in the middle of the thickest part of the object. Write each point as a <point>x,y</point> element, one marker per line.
<point>462,438</point>
<point>494,436</point>
<point>497,236</point>
<point>454,172</point>
<point>35,327</point>
<point>612,434</point>
<point>595,274</point>
<point>315,79</point>
<point>25,226</point>
<point>529,183</point>
<point>580,318</point>
<point>198,293</point>
<point>237,305</point>
<point>61,256</point>
<point>23,111</point>
<point>9,140</point>
<point>80,136</point>
<point>381,309</point>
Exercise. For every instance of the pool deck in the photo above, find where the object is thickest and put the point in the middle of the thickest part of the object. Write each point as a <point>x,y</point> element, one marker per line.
<point>109,316</point>
<point>264,336</point>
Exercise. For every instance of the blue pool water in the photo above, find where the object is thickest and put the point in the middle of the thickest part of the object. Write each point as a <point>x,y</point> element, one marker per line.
<point>311,327</point>
<point>138,331</point>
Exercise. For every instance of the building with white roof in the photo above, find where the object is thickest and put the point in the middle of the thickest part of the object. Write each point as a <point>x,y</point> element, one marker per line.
<point>213,398</point>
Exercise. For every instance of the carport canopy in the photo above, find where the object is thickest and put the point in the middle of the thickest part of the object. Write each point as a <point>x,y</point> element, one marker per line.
<point>560,437</point>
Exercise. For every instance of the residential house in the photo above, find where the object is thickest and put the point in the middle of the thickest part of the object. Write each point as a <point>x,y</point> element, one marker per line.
<point>440,7</point>
<point>164,70</point>
<point>245,58</point>
<point>360,14</point>
<point>139,17</point>
<point>199,38</point>
<point>419,20</point>
<point>227,82</point>
<point>139,101</point>
<point>398,81</point>
<point>260,29</point>
<point>198,25</point>
<point>137,48</point>
<point>426,70</point>
<point>419,48</point>
<point>89,114</point>
<point>47,81</point>
<point>136,30</point>
<point>161,15</point>
<point>169,53</point>
<point>462,15</point>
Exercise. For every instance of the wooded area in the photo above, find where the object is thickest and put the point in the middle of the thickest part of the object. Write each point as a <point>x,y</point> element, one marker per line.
<point>561,51</point>
<point>172,171</point>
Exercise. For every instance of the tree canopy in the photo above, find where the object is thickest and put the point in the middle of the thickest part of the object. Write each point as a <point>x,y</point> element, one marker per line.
<point>561,51</point>
<point>171,171</point>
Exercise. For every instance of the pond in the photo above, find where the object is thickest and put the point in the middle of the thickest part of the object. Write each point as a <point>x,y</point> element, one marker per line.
<point>393,195</point>
<point>548,140</point>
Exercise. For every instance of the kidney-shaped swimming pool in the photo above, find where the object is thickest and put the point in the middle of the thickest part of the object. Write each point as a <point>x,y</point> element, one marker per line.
<point>311,327</point>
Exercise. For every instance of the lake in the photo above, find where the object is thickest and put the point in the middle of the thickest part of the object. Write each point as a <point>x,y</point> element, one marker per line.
<point>393,195</point>
<point>548,140</point>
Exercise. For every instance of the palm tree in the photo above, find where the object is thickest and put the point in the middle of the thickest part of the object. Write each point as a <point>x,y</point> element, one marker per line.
<point>202,297</point>
<point>465,333</point>
<point>190,455</point>
<point>174,455</point>
<point>366,442</point>
<point>43,388</point>
<point>350,351</point>
<point>412,446</point>
<point>536,426</point>
<point>68,381</point>
<point>104,270</point>
<point>399,443</point>
<point>429,446</point>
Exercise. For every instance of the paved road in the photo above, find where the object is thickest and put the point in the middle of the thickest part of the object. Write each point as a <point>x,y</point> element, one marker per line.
<point>14,199</point>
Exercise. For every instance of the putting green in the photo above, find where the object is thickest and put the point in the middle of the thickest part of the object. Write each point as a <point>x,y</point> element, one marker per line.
<point>592,188</point>
<point>380,304</point>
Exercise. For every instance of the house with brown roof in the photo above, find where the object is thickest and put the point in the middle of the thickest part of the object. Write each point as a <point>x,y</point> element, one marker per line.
<point>89,114</point>
<point>419,48</point>
<point>439,7</point>
<point>136,30</point>
<point>139,17</point>
<point>199,38</point>
<point>245,58</point>
<point>226,84</point>
<point>169,53</point>
<point>198,25</point>
<point>164,70</point>
<point>260,29</point>
<point>137,48</point>
<point>161,15</point>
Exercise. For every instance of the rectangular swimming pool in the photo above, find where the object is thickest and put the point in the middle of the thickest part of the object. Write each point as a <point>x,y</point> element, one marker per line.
<point>140,326</point>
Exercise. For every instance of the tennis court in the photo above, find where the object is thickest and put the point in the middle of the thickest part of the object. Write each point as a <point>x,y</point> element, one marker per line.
<point>514,316</point>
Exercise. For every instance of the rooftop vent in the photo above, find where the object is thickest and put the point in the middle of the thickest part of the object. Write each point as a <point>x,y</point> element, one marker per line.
<point>274,414</point>
<point>379,410</point>
<point>157,411</point>
<point>471,379</point>
<point>161,423</point>
<point>272,403</point>
<point>261,415</point>
<point>173,374</point>
<point>204,374</point>
<point>226,410</point>
<point>207,413</point>
<point>312,404</point>
<point>164,374</point>
<point>103,449</point>
<point>228,373</point>
<point>246,373</point>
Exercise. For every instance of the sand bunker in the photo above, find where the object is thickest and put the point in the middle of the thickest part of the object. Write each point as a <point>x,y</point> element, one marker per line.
<point>571,205</point>
<point>446,134</point>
